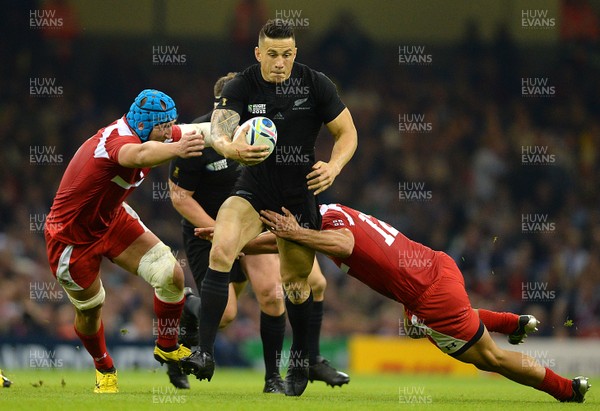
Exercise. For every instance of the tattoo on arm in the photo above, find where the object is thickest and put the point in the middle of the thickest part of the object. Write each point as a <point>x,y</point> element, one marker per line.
<point>223,122</point>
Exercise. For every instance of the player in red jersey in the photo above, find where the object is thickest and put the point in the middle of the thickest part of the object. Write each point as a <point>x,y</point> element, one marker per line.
<point>89,219</point>
<point>431,287</point>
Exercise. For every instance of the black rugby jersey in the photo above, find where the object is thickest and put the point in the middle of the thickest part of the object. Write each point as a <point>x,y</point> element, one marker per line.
<point>298,106</point>
<point>211,176</point>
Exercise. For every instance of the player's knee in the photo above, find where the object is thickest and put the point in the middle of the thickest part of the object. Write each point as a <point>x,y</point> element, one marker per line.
<point>89,308</point>
<point>269,297</point>
<point>318,283</point>
<point>290,277</point>
<point>161,270</point>
<point>222,258</point>
<point>228,315</point>
<point>178,276</point>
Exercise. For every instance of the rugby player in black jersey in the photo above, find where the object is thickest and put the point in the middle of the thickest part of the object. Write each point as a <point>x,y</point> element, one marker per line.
<point>299,100</point>
<point>197,189</point>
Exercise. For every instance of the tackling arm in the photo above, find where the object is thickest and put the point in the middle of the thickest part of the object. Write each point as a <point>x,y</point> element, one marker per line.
<point>199,128</point>
<point>264,243</point>
<point>153,152</point>
<point>335,243</point>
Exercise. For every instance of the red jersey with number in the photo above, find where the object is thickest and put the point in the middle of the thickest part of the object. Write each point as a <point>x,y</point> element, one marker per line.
<point>383,258</point>
<point>95,185</point>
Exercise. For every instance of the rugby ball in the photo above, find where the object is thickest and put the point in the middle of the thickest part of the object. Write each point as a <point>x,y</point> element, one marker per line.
<point>262,131</point>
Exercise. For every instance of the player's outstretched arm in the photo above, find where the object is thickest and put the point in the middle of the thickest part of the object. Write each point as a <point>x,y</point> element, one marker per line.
<point>152,153</point>
<point>223,125</point>
<point>264,243</point>
<point>335,243</point>
<point>199,128</point>
<point>346,140</point>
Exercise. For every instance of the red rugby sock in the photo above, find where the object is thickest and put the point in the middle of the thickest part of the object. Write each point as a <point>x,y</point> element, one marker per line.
<point>168,322</point>
<point>505,323</point>
<point>557,386</point>
<point>95,344</point>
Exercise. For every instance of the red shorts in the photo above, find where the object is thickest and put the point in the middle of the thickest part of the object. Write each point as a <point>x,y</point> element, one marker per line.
<point>446,315</point>
<point>77,266</point>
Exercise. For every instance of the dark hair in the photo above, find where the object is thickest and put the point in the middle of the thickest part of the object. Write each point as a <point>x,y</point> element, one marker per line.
<point>218,89</point>
<point>276,29</point>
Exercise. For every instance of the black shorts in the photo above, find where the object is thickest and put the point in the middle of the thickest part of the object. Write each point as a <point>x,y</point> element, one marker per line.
<point>301,202</point>
<point>197,251</point>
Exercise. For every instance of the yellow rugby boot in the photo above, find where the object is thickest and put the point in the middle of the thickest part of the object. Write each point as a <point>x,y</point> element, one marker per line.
<point>171,356</point>
<point>106,383</point>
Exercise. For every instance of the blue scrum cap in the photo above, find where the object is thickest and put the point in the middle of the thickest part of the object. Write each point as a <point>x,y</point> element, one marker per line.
<point>150,107</point>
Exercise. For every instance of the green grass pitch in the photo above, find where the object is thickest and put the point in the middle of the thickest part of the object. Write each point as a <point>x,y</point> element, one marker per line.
<point>232,389</point>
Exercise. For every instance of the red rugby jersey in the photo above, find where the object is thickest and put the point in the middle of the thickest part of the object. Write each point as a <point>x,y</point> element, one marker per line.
<point>383,258</point>
<point>95,185</point>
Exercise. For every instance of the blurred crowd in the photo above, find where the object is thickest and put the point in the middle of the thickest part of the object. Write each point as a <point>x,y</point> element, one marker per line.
<point>501,178</point>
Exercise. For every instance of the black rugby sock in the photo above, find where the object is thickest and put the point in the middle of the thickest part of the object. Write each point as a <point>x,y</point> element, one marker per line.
<point>299,315</point>
<point>314,332</point>
<point>272,330</point>
<point>213,300</point>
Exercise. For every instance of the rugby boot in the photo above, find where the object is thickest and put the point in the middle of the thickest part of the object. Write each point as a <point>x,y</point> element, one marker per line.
<point>581,386</point>
<point>177,377</point>
<point>323,371</point>
<point>106,382</point>
<point>5,381</point>
<point>274,385</point>
<point>296,381</point>
<point>171,356</point>
<point>200,363</point>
